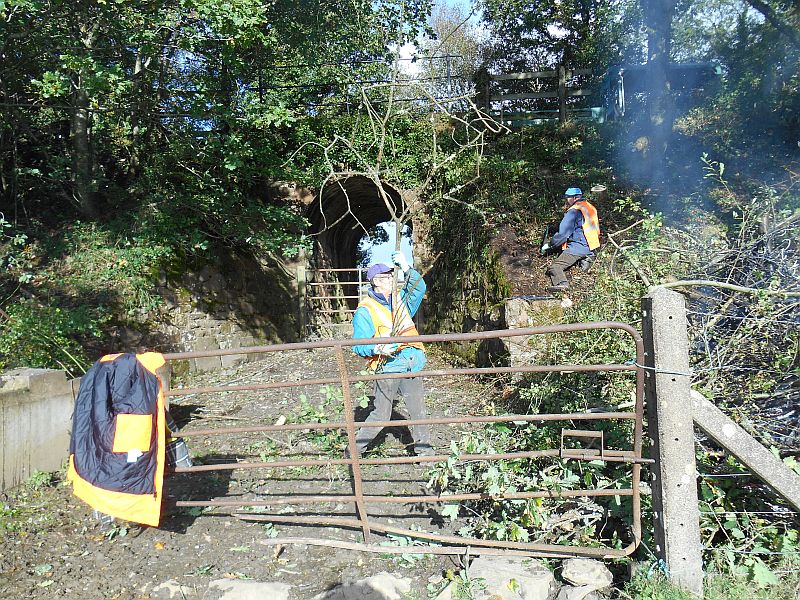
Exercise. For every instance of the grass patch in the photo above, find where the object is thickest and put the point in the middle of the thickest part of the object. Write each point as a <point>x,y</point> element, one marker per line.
<point>720,587</point>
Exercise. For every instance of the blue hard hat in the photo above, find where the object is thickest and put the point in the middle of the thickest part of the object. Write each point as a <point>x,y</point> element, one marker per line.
<point>573,191</point>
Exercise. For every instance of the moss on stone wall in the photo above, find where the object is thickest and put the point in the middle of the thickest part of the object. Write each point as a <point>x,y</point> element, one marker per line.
<point>467,284</point>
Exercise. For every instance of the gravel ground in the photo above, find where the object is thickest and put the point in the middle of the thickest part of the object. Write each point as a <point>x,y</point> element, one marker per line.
<point>52,548</point>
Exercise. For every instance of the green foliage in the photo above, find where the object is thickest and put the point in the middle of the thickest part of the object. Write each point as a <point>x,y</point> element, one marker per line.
<point>270,530</point>
<point>16,254</point>
<point>81,278</point>
<point>465,587</point>
<point>590,35</point>
<point>47,336</point>
<point>40,480</point>
<point>769,101</point>
<point>567,521</point>
<point>23,512</point>
<point>411,558</point>
<point>655,586</point>
<point>117,530</point>
<point>193,108</point>
<point>327,440</point>
<point>739,536</point>
<point>362,389</point>
<point>117,259</point>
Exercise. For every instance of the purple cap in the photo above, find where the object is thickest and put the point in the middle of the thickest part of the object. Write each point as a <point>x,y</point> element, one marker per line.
<point>377,269</point>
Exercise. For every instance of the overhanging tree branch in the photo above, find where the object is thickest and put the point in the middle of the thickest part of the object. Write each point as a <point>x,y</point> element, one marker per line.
<point>785,29</point>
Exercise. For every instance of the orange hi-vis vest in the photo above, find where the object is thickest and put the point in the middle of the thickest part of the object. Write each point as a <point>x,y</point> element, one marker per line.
<point>382,321</point>
<point>118,444</point>
<point>591,224</point>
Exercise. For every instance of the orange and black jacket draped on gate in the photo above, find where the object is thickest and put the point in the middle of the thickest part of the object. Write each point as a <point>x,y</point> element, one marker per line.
<point>117,448</point>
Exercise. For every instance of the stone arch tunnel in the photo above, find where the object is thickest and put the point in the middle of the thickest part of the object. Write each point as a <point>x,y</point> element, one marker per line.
<point>341,213</point>
<point>339,216</point>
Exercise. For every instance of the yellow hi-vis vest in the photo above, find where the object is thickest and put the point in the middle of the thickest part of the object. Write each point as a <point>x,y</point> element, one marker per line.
<point>591,224</point>
<point>382,321</point>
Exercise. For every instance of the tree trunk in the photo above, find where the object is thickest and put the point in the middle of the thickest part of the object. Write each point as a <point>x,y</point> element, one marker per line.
<point>82,162</point>
<point>660,105</point>
<point>81,154</point>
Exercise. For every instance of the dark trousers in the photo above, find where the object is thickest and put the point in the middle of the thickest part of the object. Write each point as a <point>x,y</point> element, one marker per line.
<point>386,390</point>
<point>561,264</point>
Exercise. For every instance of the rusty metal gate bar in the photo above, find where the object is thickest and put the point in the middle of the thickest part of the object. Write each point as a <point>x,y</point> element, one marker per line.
<point>361,500</point>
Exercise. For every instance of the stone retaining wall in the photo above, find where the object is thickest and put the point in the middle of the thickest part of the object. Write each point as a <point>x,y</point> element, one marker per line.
<point>234,302</point>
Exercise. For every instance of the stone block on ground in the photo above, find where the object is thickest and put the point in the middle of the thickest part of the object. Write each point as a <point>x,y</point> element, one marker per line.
<point>172,590</point>
<point>582,592</point>
<point>518,314</point>
<point>235,589</point>
<point>383,586</point>
<point>586,572</point>
<point>511,578</point>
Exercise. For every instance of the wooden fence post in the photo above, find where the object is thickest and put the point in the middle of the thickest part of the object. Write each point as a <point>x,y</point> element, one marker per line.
<point>676,515</point>
<point>302,264</point>
<point>562,94</point>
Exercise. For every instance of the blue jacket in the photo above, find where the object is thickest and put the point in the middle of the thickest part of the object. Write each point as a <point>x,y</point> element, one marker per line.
<point>571,230</point>
<point>408,359</point>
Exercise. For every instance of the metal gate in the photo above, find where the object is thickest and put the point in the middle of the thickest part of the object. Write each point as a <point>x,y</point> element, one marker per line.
<point>449,544</point>
<point>327,292</point>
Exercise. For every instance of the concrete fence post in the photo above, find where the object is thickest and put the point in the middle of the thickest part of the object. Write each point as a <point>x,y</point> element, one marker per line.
<point>669,418</point>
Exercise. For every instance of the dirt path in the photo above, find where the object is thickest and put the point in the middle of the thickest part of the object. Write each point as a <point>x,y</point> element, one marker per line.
<point>52,548</point>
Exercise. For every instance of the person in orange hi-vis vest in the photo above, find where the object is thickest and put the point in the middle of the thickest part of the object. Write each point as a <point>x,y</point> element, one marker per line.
<point>378,316</point>
<point>578,236</point>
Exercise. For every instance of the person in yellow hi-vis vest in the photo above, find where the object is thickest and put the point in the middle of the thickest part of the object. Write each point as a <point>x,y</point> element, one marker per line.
<point>578,236</point>
<point>376,316</point>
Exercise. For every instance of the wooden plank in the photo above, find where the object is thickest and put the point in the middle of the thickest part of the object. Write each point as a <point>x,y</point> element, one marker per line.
<point>528,96</point>
<point>324,283</point>
<point>517,76</point>
<point>533,113</point>
<point>534,95</point>
<point>537,75</point>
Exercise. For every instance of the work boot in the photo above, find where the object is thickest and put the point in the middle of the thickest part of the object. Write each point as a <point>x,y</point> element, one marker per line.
<point>561,287</point>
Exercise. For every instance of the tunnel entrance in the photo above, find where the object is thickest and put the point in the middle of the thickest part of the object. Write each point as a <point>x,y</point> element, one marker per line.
<point>345,213</point>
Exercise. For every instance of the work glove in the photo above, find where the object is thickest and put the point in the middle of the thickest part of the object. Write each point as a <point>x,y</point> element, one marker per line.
<point>545,247</point>
<point>399,259</point>
<point>386,349</point>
